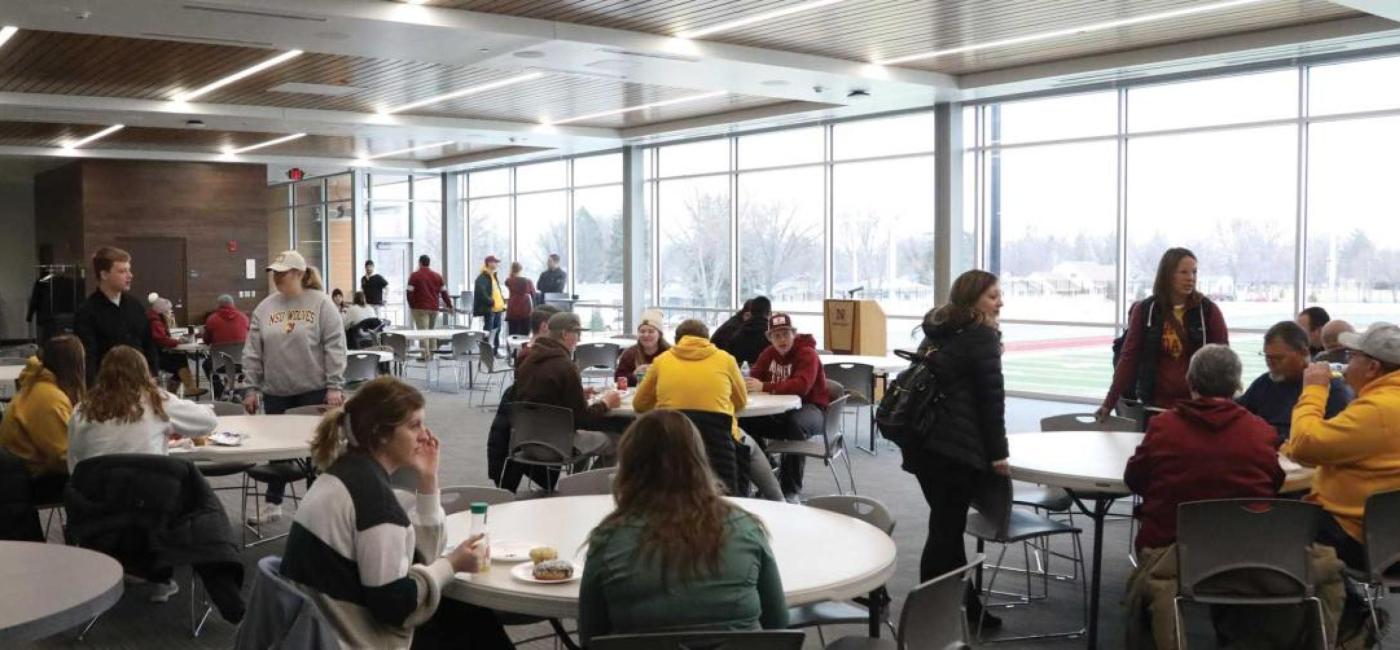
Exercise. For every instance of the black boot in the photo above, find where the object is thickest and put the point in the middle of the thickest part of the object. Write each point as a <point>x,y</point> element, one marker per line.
<point>976,612</point>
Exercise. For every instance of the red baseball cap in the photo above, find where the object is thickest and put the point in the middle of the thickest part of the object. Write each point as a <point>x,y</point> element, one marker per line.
<point>779,321</point>
<point>491,259</point>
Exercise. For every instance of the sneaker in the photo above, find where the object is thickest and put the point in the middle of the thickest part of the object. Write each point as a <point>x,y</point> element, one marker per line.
<point>793,498</point>
<point>268,513</point>
<point>164,590</point>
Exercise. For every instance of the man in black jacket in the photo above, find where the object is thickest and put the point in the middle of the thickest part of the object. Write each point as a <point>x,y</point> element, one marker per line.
<point>554,279</point>
<point>373,284</point>
<point>750,336</point>
<point>111,316</point>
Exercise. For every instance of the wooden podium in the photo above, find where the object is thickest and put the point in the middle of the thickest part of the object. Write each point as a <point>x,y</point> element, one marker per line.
<point>854,327</point>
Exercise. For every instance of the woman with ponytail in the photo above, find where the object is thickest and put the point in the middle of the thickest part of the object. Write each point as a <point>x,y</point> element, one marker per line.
<point>372,557</point>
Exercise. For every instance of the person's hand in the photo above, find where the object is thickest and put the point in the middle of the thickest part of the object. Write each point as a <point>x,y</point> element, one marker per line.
<point>612,399</point>
<point>589,392</point>
<point>1319,373</point>
<point>334,397</point>
<point>642,369</point>
<point>1002,467</point>
<point>754,385</point>
<point>463,558</point>
<point>1101,414</point>
<point>250,402</point>
<point>425,462</point>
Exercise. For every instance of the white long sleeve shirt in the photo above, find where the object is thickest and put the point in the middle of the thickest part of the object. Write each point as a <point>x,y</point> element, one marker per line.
<point>145,436</point>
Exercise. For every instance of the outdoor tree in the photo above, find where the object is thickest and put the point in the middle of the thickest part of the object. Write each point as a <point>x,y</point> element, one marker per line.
<point>777,245</point>
<point>696,252</point>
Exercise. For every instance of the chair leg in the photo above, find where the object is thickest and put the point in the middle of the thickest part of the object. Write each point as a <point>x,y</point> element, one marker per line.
<point>1180,624</point>
<point>1371,596</point>
<point>850,473</point>
<point>86,628</point>
<point>196,620</point>
<point>1321,621</point>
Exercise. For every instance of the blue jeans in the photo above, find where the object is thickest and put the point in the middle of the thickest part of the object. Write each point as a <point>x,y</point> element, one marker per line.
<point>277,405</point>
<point>492,324</point>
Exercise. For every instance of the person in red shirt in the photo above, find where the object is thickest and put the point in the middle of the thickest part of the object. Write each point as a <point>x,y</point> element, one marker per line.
<point>226,325</point>
<point>425,287</point>
<point>789,366</point>
<point>160,319</point>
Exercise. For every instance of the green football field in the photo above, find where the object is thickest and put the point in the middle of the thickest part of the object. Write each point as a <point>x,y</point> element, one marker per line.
<point>1086,370</point>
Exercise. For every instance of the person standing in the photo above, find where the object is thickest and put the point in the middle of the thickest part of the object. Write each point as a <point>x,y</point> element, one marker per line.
<point>790,366</point>
<point>487,300</point>
<point>295,352</point>
<point>1164,330</point>
<point>963,340</point>
<point>373,284</point>
<point>111,316</point>
<point>521,302</point>
<point>425,288</point>
<point>553,279</point>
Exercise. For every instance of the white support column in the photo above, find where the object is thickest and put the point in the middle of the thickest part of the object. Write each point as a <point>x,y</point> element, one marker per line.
<point>948,199</point>
<point>634,241</point>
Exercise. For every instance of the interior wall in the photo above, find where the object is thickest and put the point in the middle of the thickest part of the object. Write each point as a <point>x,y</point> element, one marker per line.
<point>18,249</point>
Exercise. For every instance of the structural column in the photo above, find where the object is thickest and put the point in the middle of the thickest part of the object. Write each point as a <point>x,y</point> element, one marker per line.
<point>948,199</point>
<point>634,240</point>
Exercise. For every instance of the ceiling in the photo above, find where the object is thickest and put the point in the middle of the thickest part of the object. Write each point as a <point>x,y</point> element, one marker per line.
<point>545,78</point>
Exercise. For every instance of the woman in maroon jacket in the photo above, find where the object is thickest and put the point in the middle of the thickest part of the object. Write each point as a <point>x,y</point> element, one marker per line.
<point>1163,332</point>
<point>520,303</point>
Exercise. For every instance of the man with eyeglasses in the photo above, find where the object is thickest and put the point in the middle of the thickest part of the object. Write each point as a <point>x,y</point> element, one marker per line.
<point>1273,394</point>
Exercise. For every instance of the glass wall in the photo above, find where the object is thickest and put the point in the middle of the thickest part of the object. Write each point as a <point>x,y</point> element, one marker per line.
<point>318,222</point>
<point>405,221</point>
<point>1076,197</point>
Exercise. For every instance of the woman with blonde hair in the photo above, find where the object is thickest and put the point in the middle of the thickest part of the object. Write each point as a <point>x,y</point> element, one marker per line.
<point>371,557</point>
<point>675,554</point>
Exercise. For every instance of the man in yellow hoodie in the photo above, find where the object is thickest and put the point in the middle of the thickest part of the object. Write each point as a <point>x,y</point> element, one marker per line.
<point>35,427</point>
<point>1357,452</point>
<point>694,375</point>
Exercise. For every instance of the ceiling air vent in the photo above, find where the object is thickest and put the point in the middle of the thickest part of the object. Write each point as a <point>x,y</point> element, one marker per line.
<point>257,13</point>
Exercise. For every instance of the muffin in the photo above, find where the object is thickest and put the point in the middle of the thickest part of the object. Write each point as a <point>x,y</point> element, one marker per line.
<point>554,570</point>
<point>543,554</point>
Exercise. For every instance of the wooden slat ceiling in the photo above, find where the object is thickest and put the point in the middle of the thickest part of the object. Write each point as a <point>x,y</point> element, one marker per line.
<point>35,134</point>
<point>108,66</point>
<point>865,30</point>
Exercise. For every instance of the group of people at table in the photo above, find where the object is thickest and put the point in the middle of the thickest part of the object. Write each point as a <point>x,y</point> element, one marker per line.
<point>675,554</point>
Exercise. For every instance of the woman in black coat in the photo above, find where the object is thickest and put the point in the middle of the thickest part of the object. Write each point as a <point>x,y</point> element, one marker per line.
<point>969,437</point>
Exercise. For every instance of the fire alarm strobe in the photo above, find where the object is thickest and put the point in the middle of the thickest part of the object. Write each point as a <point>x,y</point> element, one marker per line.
<point>295,174</point>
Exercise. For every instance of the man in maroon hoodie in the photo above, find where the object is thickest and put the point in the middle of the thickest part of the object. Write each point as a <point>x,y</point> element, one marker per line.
<point>225,325</point>
<point>790,366</point>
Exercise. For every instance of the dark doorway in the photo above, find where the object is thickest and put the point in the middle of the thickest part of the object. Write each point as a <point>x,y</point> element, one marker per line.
<point>158,264</point>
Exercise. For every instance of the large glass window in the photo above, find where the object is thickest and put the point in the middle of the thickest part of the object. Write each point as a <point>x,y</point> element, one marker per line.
<point>1222,100</point>
<point>488,231</point>
<point>882,233</point>
<point>693,218</point>
<point>1354,86</point>
<point>541,229</point>
<point>598,242</point>
<point>890,136</point>
<point>780,237</point>
<point>1053,118</point>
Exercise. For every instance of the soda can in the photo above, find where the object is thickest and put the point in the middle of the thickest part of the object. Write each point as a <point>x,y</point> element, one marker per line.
<point>622,383</point>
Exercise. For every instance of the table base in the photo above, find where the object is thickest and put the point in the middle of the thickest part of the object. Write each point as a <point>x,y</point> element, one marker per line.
<point>1102,504</point>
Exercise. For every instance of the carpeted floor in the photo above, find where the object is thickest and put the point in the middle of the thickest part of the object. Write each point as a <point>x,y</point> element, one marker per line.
<point>136,623</point>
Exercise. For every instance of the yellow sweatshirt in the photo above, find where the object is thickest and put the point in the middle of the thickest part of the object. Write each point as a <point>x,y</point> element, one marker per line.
<point>693,375</point>
<point>36,425</point>
<point>1357,452</point>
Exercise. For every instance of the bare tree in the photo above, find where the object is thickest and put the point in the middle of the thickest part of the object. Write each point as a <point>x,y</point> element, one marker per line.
<point>776,245</point>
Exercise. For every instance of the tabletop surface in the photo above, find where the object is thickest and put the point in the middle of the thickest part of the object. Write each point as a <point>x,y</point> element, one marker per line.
<point>47,588</point>
<point>385,356</point>
<point>191,347</point>
<point>821,555</point>
<point>1094,460</point>
<point>432,334</point>
<point>889,363</point>
<point>268,437</point>
<point>759,404</point>
<point>10,373</point>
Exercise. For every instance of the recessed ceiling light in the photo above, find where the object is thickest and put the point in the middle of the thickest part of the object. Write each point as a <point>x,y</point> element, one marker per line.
<point>529,54</point>
<point>6,32</point>
<point>246,72</point>
<point>629,109</point>
<point>386,154</point>
<point>465,91</point>
<point>756,18</point>
<point>1072,31</point>
<point>269,143</point>
<point>96,136</point>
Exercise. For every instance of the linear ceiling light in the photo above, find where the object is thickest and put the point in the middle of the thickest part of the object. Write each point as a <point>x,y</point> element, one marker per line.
<point>246,72</point>
<point>466,91</point>
<point>96,136</point>
<point>6,32</point>
<point>756,18</point>
<point>386,154</point>
<point>629,109</point>
<point>269,143</point>
<point>1073,31</point>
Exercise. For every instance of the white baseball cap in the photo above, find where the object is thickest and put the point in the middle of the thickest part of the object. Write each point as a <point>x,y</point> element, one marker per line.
<point>286,261</point>
<point>1381,342</point>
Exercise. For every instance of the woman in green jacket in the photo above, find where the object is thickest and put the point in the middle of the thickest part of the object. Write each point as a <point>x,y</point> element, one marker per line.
<point>674,555</point>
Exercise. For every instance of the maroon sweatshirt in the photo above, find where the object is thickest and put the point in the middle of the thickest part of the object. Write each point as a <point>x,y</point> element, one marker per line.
<point>1208,448</point>
<point>1170,383</point>
<point>799,372</point>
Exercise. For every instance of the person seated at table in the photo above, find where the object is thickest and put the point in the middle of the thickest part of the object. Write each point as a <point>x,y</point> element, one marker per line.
<point>1274,393</point>
<point>227,324</point>
<point>748,337</point>
<point>355,312</point>
<point>548,376</point>
<point>674,555</point>
<point>371,557</point>
<point>1312,321</point>
<point>539,328</point>
<point>696,375</point>
<point>1332,350</point>
<point>338,297</point>
<point>35,427</point>
<point>174,363</point>
<point>790,366</point>
<point>651,342</point>
<point>1207,447</point>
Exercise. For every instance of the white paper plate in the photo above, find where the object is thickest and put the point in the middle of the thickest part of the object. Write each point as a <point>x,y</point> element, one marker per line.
<point>512,551</point>
<point>526,573</point>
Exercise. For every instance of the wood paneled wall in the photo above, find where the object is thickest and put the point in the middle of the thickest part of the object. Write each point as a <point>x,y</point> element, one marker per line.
<point>208,204</point>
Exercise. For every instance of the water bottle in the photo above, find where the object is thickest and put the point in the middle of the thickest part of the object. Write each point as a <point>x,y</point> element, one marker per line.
<point>483,546</point>
<point>744,369</point>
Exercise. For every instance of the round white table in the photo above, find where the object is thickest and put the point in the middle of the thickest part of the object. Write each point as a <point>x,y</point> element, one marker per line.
<point>419,335</point>
<point>8,375</point>
<point>851,559</point>
<point>384,356</point>
<point>883,365</point>
<point>267,438</point>
<point>1089,465</point>
<point>49,588</point>
<point>760,404</point>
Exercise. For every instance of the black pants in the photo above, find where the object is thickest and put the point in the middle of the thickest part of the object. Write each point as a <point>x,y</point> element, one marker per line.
<point>518,326</point>
<point>948,488</point>
<point>171,362</point>
<point>1349,551</point>
<point>804,423</point>
<point>459,625</point>
<point>277,405</point>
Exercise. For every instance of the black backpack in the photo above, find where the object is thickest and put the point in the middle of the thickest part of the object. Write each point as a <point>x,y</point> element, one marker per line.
<point>909,408</point>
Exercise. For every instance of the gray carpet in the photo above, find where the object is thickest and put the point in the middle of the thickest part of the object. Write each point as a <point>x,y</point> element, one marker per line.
<point>136,623</point>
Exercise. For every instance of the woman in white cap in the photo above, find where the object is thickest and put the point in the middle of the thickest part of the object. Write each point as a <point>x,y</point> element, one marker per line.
<point>295,352</point>
<point>650,344</point>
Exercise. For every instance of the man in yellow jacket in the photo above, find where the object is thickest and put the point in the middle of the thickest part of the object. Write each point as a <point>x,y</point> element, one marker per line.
<point>694,375</point>
<point>1357,452</point>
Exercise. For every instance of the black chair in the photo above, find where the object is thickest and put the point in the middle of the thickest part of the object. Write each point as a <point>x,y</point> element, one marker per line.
<point>828,448</point>
<point>717,432</point>
<point>764,640</point>
<point>596,359</point>
<point>856,612</point>
<point>932,619</point>
<point>1382,551</point>
<point>486,365</point>
<point>544,436</point>
<point>360,367</point>
<point>858,381</point>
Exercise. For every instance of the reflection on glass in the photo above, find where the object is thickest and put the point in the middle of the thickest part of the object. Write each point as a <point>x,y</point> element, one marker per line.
<point>695,251</point>
<point>780,237</point>
<point>340,187</point>
<point>427,231</point>
<point>307,192</point>
<point>307,228</point>
<point>883,233</point>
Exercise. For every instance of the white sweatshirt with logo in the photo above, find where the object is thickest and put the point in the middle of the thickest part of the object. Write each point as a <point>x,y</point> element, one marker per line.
<point>295,345</point>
